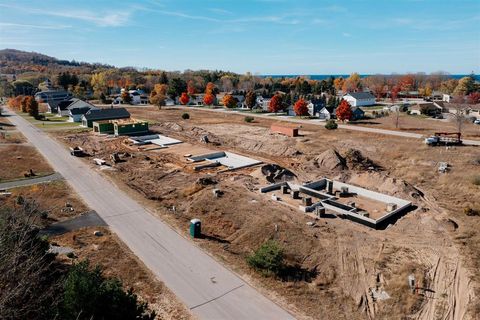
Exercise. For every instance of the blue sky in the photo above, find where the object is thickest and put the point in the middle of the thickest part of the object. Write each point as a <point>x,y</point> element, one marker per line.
<point>259,36</point>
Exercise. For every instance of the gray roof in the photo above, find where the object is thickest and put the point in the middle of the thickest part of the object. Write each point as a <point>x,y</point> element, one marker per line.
<point>107,114</point>
<point>361,95</point>
<point>81,110</point>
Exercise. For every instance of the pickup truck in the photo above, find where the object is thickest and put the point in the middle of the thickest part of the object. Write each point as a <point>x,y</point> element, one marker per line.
<point>76,151</point>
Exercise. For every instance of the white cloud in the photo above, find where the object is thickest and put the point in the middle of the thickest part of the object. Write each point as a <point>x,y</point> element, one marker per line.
<point>220,11</point>
<point>99,18</point>
<point>5,25</point>
<point>346,34</point>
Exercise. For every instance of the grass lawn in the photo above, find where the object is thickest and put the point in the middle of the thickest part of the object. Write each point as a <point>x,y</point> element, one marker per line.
<point>56,124</point>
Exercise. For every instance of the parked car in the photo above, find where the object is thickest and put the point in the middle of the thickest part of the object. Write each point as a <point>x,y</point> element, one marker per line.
<point>477,121</point>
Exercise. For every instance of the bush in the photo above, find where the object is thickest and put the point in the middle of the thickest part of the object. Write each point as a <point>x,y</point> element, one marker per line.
<point>331,125</point>
<point>476,180</point>
<point>471,212</point>
<point>89,295</point>
<point>268,259</point>
<point>185,116</point>
<point>249,119</point>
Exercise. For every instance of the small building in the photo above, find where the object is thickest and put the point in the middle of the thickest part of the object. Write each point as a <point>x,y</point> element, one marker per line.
<point>324,114</point>
<point>104,114</point>
<point>121,127</point>
<point>314,108</point>
<point>358,113</point>
<point>52,106</point>
<point>358,99</point>
<point>447,98</point>
<point>262,103</point>
<point>429,109</point>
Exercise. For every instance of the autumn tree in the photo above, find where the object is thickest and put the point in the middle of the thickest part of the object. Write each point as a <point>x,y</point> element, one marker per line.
<point>465,86</point>
<point>157,99</point>
<point>210,88</point>
<point>338,83</point>
<point>15,103</point>
<point>208,99</point>
<point>184,98</point>
<point>161,88</point>
<point>126,97</point>
<point>191,88</point>
<point>473,98</point>
<point>276,103</point>
<point>301,107</point>
<point>23,104</point>
<point>394,93</point>
<point>344,111</point>
<point>31,106</point>
<point>448,86</point>
<point>407,82</point>
<point>352,83</point>
<point>250,99</point>
<point>229,101</point>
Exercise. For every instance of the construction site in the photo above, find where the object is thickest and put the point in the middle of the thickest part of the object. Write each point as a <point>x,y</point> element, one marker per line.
<point>355,216</point>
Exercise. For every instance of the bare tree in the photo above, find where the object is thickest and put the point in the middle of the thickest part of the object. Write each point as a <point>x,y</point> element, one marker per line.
<point>459,111</point>
<point>29,276</point>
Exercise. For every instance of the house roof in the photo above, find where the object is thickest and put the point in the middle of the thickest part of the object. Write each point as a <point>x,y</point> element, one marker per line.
<point>63,105</point>
<point>357,109</point>
<point>106,114</point>
<point>77,103</point>
<point>53,104</point>
<point>81,110</point>
<point>361,95</point>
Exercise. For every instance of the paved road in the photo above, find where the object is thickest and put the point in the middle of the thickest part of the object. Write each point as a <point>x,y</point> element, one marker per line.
<point>210,290</point>
<point>30,181</point>
<point>322,123</point>
<point>89,219</point>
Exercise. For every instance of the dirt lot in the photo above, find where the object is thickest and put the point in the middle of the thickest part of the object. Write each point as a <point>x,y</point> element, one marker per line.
<point>20,159</point>
<point>334,265</point>
<point>55,198</point>
<point>117,261</point>
<point>422,125</point>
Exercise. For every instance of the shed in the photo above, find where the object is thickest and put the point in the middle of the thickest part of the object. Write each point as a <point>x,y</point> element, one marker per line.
<point>286,130</point>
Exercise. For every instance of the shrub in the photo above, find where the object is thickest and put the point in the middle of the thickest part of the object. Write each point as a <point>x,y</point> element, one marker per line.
<point>476,180</point>
<point>471,212</point>
<point>249,119</point>
<point>331,125</point>
<point>185,116</point>
<point>267,259</point>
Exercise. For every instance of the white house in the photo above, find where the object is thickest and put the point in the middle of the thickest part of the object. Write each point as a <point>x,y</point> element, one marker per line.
<point>324,114</point>
<point>136,96</point>
<point>169,101</point>
<point>263,103</point>
<point>359,99</point>
<point>447,98</point>
<point>76,114</point>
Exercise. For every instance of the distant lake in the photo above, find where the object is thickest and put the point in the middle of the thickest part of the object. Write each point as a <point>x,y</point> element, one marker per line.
<point>326,76</point>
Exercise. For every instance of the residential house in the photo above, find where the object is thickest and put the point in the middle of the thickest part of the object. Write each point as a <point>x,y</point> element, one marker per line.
<point>314,107</point>
<point>240,98</point>
<point>358,99</point>
<point>52,95</point>
<point>358,113</point>
<point>169,101</point>
<point>64,107</point>
<point>262,103</point>
<point>76,114</point>
<point>52,106</point>
<point>430,108</point>
<point>136,97</point>
<point>104,114</point>
<point>324,114</point>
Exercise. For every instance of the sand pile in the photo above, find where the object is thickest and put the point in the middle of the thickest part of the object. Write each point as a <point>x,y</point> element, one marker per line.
<point>331,160</point>
<point>356,160</point>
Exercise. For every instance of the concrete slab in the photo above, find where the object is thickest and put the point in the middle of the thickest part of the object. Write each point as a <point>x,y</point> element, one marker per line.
<point>157,139</point>
<point>228,159</point>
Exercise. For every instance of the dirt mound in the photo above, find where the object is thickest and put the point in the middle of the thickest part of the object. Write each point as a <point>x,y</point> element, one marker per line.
<point>356,160</point>
<point>330,159</point>
<point>380,182</point>
<point>173,126</point>
<point>275,173</point>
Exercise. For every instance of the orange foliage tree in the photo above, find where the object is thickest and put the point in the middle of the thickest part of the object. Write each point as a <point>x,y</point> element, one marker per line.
<point>15,103</point>
<point>208,99</point>
<point>344,111</point>
<point>276,103</point>
<point>229,101</point>
<point>191,88</point>
<point>210,88</point>
<point>184,98</point>
<point>301,108</point>
<point>31,106</point>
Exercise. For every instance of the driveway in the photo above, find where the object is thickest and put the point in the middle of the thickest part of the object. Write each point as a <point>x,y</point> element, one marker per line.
<point>209,289</point>
<point>30,181</point>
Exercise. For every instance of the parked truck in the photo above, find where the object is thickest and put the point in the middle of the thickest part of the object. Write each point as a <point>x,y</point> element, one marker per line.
<point>444,139</point>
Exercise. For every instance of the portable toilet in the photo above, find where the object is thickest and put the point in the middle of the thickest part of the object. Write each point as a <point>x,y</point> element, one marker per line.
<point>195,228</point>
